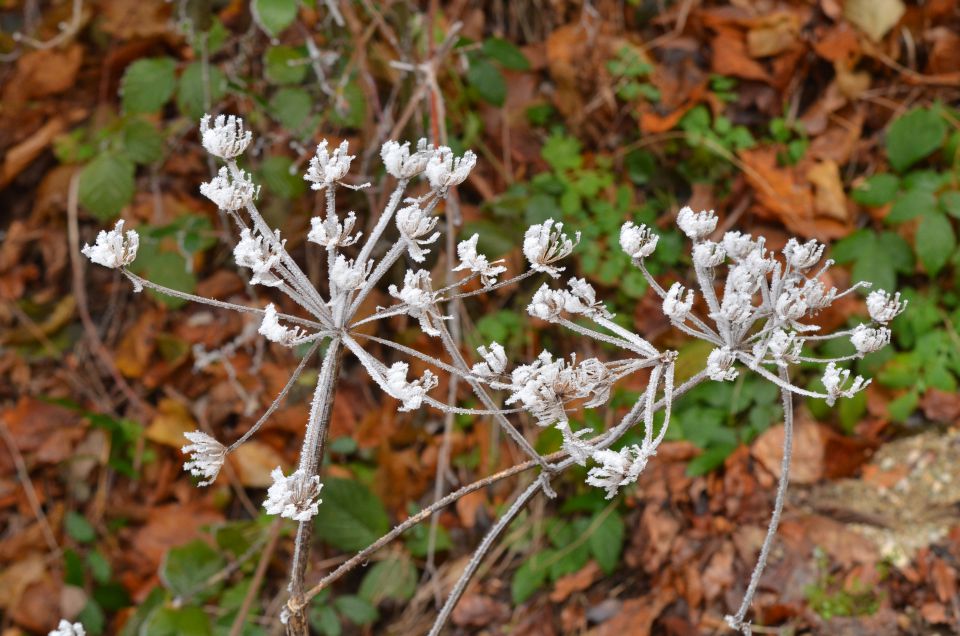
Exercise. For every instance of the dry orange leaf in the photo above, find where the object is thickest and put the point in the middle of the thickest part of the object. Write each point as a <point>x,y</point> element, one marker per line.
<point>173,419</point>
<point>253,460</point>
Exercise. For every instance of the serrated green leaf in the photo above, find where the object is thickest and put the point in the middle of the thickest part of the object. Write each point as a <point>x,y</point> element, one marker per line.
<point>910,205</point>
<point>147,84</point>
<point>106,185</point>
<point>274,15</point>
<point>92,618</point>
<point>897,251</point>
<point>506,53</point>
<point>356,610</point>
<point>934,242</point>
<point>877,190</point>
<point>488,81</point>
<point>606,542</point>
<point>851,247</point>
<point>190,89</point>
<point>186,569</point>
<point>914,136</point>
<point>351,106</point>
<point>185,621</point>
<point>99,566</point>
<point>278,179</point>
<point>282,65</point>
<point>393,578</point>
<point>168,269</point>
<point>530,576</point>
<point>562,152</point>
<point>142,142</point>
<point>325,620</point>
<point>79,528</point>
<point>709,459</point>
<point>292,107</point>
<point>902,407</point>
<point>950,202</point>
<point>351,517</point>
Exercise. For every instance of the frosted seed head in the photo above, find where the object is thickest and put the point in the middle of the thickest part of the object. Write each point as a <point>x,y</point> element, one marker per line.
<point>884,307</point>
<point>206,456</point>
<point>229,191</point>
<point>696,225</point>
<point>226,138</point>
<point>637,241</point>
<point>544,244</point>
<point>869,339</point>
<point>328,168</point>
<point>295,497</point>
<point>113,249</point>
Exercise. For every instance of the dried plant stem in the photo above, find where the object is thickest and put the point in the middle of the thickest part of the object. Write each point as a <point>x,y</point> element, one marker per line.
<point>518,505</point>
<point>736,621</point>
<point>311,454</point>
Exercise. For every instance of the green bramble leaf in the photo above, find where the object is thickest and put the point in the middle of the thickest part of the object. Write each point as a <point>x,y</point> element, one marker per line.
<point>142,142</point>
<point>606,541</point>
<point>190,90</point>
<point>79,528</point>
<point>186,569</point>
<point>910,205</point>
<point>106,185</point>
<point>934,242</point>
<point>356,610</point>
<point>274,16</point>
<point>282,65</point>
<point>351,517</point>
<point>914,136</point>
<point>877,190</point>
<point>506,53</point>
<point>147,84</point>
<point>488,81</point>
<point>394,578</point>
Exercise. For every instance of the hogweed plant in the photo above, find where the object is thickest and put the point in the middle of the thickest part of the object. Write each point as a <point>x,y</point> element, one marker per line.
<point>754,318</point>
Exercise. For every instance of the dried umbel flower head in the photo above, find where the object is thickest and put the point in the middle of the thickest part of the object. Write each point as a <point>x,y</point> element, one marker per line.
<point>545,244</point>
<point>416,225</point>
<point>66,628</point>
<point>696,225</point>
<point>494,361</point>
<point>446,171</point>
<point>419,299</point>
<point>331,233</point>
<point>113,249</point>
<point>206,456</point>
<point>295,497</point>
<point>271,329</point>
<point>803,256</point>
<point>617,468</point>
<point>638,241</point>
<point>720,365</point>
<point>400,163</point>
<point>230,190</point>
<point>410,394</point>
<point>260,254</point>
<point>477,263</point>
<point>328,168</point>
<point>869,339</point>
<point>226,138</point>
<point>676,305</point>
<point>884,307</point>
<point>838,383</point>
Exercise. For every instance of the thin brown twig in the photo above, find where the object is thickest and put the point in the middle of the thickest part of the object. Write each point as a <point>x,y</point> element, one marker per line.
<point>237,627</point>
<point>80,293</point>
<point>23,474</point>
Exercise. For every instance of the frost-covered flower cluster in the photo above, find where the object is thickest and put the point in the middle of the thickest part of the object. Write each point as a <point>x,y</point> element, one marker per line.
<point>757,309</point>
<point>296,496</point>
<point>113,249</point>
<point>66,628</point>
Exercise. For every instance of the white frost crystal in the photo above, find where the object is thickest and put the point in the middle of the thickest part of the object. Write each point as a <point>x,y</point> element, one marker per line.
<point>260,255</point>
<point>66,628</point>
<point>838,384</point>
<point>418,295</point>
<point>113,249</point>
<point>410,394</point>
<point>227,138</point>
<point>230,191</point>
<point>869,339</point>
<point>720,365</point>
<point>477,263</point>
<point>676,305</point>
<point>803,256</point>
<point>708,254</point>
<point>638,241</point>
<point>617,468</point>
<point>446,171</point>
<point>400,163</point>
<point>295,497</point>
<point>696,225</point>
<point>494,361</point>
<point>331,233</point>
<point>206,456</point>
<point>327,168</point>
<point>545,244</point>
<point>883,307</point>
<point>415,225</point>
<point>271,329</point>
